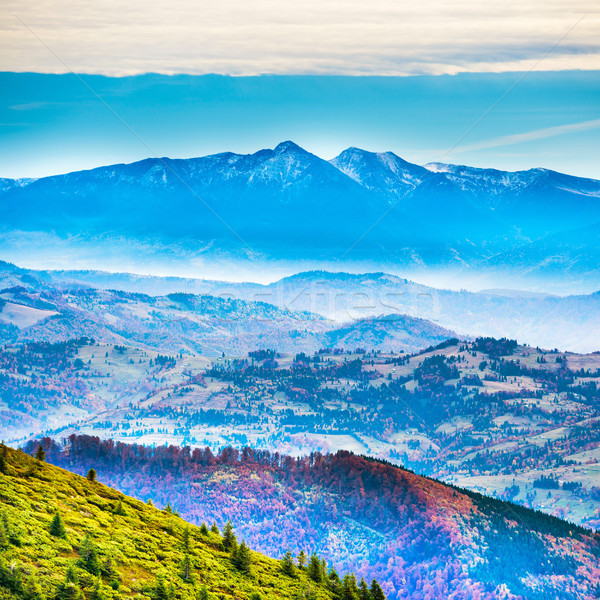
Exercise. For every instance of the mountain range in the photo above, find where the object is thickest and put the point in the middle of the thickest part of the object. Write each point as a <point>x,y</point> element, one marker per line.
<point>287,204</point>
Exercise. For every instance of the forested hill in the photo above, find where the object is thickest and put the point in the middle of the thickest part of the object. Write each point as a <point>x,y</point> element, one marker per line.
<point>66,537</point>
<point>420,538</point>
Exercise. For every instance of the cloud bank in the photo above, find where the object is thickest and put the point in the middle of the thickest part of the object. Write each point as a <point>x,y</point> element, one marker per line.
<point>350,37</point>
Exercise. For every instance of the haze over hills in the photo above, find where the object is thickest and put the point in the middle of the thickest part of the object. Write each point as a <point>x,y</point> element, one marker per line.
<point>565,322</point>
<point>289,205</point>
<point>32,308</point>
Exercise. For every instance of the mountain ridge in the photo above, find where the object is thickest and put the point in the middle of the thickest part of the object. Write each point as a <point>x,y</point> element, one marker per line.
<point>287,204</point>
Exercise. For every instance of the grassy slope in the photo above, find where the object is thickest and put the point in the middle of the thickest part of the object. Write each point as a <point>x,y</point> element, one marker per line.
<point>143,543</point>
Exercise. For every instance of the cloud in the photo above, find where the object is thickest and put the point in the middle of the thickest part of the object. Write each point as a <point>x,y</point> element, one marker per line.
<point>351,37</point>
<point>529,136</point>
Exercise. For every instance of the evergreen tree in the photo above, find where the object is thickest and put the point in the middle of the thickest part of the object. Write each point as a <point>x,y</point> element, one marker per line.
<point>11,533</point>
<point>57,527</point>
<point>186,568</point>
<point>71,575</point>
<point>302,559</point>
<point>334,583</point>
<point>349,588</point>
<point>364,592</point>
<point>120,509</point>
<point>91,475</point>
<point>3,461</point>
<point>40,453</point>
<point>241,558</point>
<point>229,540</point>
<point>89,556</point>
<point>3,536</point>
<point>32,590</point>
<point>203,593</point>
<point>161,591</point>
<point>215,529</point>
<point>376,591</point>
<point>168,509</point>
<point>68,590</point>
<point>203,529</point>
<point>185,539</point>
<point>97,593</point>
<point>323,569</point>
<point>314,570</point>
<point>108,570</point>
<point>287,564</point>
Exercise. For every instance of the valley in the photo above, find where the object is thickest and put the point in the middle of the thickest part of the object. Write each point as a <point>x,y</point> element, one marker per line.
<point>510,421</point>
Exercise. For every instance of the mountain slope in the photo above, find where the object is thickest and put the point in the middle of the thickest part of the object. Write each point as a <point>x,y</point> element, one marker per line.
<point>114,546</point>
<point>422,539</point>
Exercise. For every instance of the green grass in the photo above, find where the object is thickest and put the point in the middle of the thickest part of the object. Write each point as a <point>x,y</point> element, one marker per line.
<point>136,545</point>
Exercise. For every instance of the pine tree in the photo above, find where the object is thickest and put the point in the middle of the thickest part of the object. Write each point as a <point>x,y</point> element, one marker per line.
<point>241,558</point>
<point>186,568</point>
<point>40,453</point>
<point>97,593</point>
<point>11,533</point>
<point>120,509</point>
<point>376,591</point>
<point>203,593</point>
<point>57,527</point>
<point>313,570</point>
<point>203,529</point>
<point>71,574</point>
<point>168,509</point>
<point>91,475</point>
<point>185,539</point>
<point>323,569</point>
<point>215,529</point>
<point>3,455</point>
<point>109,571</point>
<point>32,590</point>
<point>68,590</point>
<point>349,588</point>
<point>89,556</point>
<point>302,558</point>
<point>334,583</point>
<point>229,540</point>
<point>363,590</point>
<point>3,537</point>
<point>161,592</point>
<point>287,564</point>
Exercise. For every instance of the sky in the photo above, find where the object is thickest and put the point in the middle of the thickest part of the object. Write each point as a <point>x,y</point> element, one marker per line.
<point>53,124</point>
<point>511,84</point>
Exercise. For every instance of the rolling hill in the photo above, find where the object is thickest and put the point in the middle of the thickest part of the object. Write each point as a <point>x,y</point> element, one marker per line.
<point>539,319</point>
<point>64,536</point>
<point>35,308</point>
<point>420,538</point>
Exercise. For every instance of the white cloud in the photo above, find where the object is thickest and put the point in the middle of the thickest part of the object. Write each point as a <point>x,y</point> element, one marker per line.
<point>243,37</point>
<point>529,136</point>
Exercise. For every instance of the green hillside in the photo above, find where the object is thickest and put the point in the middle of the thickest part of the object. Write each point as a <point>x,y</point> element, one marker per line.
<point>105,545</point>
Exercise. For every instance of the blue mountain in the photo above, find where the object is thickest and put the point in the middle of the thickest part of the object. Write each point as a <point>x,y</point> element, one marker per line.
<point>288,203</point>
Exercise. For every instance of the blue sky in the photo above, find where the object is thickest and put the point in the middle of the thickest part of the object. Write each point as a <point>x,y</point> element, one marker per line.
<point>57,123</point>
